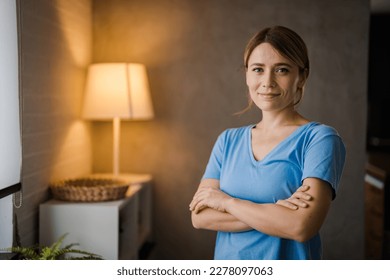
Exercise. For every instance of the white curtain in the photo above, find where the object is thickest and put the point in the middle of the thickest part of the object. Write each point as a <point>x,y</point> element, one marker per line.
<point>10,142</point>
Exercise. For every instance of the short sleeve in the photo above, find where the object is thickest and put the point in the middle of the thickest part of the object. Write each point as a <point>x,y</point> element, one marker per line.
<point>325,157</point>
<point>213,168</point>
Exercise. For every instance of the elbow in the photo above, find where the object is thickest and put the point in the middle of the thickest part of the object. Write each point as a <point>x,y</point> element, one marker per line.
<point>201,220</point>
<point>196,222</point>
<point>302,237</point>
<point>196,226</point>
<point>302,233</point>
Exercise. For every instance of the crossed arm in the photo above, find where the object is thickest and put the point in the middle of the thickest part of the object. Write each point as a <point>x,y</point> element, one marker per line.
<point>299,217</point>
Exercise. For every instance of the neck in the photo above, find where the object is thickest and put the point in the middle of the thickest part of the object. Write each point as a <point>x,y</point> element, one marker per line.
<point>272,119</point>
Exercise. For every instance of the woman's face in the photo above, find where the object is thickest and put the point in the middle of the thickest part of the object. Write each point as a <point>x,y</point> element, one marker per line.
<point>272,79</point>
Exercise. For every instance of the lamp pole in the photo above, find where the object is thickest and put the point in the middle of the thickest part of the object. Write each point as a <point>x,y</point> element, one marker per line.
<point>116,145</point>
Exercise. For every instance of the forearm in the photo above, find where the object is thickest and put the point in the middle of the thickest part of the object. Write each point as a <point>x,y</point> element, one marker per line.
<point>211,219</point>
<point>271,219</point>
<point>297,223</point>
<point>209,212</point>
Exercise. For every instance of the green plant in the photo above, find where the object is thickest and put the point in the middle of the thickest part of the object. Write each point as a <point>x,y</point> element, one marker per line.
<point>53,252</point>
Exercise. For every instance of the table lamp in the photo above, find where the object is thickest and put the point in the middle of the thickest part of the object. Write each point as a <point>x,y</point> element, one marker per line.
<point>116,91</point>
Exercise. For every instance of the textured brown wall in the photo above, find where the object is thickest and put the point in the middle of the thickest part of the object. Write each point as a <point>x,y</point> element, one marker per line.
<point>193,52</point>
<point>55,49</point>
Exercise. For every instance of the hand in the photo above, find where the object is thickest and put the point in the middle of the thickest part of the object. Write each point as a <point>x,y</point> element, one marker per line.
<point>297,199</point>
<point>211,197</point>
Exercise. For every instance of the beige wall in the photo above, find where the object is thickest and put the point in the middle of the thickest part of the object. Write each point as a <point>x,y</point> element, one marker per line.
<point>55,38</point>
<point>193,51</point>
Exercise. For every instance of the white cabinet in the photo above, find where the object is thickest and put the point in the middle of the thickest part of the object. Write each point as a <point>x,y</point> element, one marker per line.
<point>112,229</point>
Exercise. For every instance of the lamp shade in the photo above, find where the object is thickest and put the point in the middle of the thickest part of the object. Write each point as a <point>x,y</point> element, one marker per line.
<point>117,90</point>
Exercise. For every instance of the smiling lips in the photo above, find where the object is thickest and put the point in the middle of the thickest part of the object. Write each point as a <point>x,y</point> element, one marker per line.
<point>269,95</point>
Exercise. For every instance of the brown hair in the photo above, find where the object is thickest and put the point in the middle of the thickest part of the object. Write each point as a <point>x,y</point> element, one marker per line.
<point>287,42</point>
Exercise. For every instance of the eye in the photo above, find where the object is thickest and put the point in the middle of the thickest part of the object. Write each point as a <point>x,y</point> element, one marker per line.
<point>282,70</point>
<point>257,69</point>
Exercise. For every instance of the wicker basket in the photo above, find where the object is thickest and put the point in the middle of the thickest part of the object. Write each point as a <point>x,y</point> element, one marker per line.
<point>89,189</point>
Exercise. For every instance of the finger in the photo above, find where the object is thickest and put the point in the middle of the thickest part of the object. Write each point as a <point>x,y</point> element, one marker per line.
<point>199,207</point>
<point>287,204</point>
<point>198,199</point>
<point>297,202</point>
<point>191,206</point>
<point>301,195</point>
<point>303,188</point>
<point>198,195</point>
<point>193,203</point>
<point>195,207</point>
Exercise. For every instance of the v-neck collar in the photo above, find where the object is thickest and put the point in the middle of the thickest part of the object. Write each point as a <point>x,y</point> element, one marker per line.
<point>274,149</point>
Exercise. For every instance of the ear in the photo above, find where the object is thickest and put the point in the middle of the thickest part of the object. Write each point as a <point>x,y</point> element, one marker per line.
<point>246,75</point>
<point>302,79</point>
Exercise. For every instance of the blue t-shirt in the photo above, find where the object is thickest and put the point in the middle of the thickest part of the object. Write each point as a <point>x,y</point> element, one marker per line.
<point>312,150</point>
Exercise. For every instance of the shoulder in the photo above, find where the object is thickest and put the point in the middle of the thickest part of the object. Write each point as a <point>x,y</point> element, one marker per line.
<point>235,133</point>
<point>323,135</point>
<point>232,136</point>
<point>318,130</point>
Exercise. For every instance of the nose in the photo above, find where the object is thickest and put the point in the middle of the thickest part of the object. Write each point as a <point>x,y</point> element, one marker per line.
<point>268,80</point>
<point>269,85</point>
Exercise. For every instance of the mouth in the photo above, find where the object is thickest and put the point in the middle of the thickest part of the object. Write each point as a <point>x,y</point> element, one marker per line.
<point>269,95</point>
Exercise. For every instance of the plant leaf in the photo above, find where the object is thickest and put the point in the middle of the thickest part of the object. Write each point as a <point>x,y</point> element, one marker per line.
<point>28,253</point>
<point>53,252</point>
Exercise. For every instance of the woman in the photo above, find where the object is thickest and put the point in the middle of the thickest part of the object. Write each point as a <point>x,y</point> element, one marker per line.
<point>267,187</point>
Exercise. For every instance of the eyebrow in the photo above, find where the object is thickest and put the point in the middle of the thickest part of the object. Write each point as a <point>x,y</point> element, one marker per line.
<point>276,64</point>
